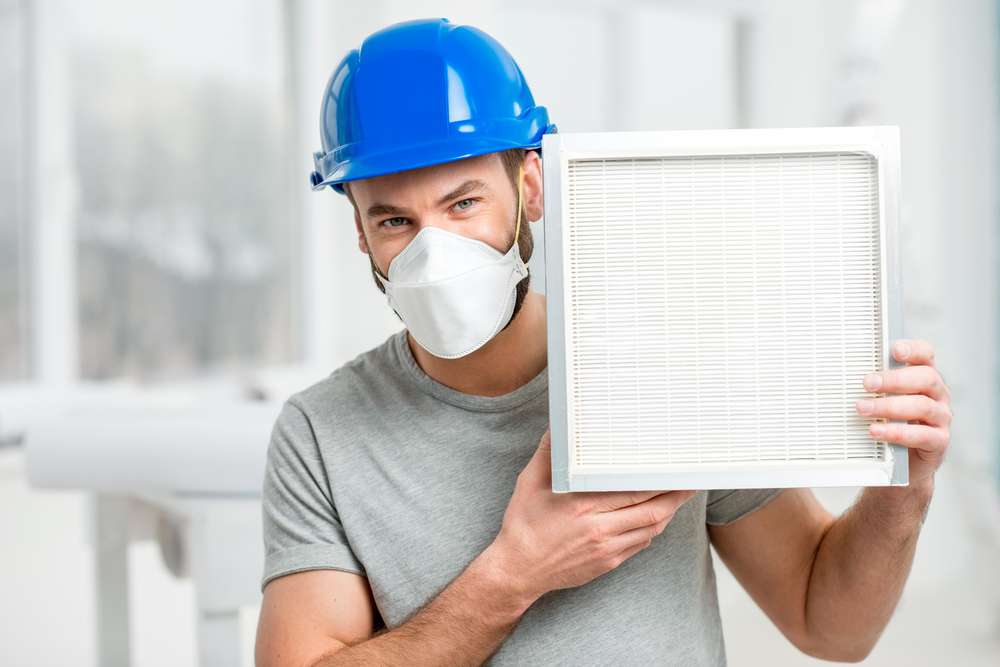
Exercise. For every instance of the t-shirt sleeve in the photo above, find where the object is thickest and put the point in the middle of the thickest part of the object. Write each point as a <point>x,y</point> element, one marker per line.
<point>727,505</point>
<point>301,526</point>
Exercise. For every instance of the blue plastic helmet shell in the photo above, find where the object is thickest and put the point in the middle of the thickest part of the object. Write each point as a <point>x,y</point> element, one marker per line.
<point>420,93</point>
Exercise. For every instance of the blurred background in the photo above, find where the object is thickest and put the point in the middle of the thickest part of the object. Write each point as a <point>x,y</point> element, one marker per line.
<point>167,277</point>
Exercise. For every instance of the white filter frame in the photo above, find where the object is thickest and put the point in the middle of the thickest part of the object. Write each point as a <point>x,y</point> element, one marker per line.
<point>559,150</point>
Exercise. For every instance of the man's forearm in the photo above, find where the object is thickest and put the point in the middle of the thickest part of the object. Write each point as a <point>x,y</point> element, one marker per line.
<point>463,625</point>
<point>860,568</point>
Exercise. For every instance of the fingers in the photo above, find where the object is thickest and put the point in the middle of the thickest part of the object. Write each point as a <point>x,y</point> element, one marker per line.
<point>642,515</point>
<point>915,436</point>
<point>908,380</point>
<point>608,501</point>
<point>631,551</point>
<point>914,352</point>
<point>624,545</point>
<point>652,523</point>
<point>910,408</point>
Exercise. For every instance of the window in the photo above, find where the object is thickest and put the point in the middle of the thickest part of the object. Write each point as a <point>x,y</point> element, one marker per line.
<point>184,239</point>
<point>14,298</point>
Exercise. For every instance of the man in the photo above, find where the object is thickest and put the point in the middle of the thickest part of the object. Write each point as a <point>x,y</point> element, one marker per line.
<point>408,511</point>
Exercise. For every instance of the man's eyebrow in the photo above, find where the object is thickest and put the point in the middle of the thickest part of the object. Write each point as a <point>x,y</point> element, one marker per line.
<point>465,188</point>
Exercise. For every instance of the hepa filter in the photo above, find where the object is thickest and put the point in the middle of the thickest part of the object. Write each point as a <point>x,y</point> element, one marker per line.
<point>714,300</point>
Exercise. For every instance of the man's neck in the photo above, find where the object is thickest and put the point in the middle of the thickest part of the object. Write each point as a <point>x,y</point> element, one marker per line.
<point>512,358</point>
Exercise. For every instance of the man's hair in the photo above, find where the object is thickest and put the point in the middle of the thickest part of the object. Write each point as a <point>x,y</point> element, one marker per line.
<point>511,158</point>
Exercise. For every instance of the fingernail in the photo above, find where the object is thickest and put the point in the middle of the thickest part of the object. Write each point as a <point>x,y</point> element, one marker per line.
<point>873,381</point>
<point>877,429</point>
<point>902,350</point>
<point>865,406</point>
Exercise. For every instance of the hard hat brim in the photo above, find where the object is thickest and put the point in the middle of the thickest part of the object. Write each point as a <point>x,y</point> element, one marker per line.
<point>416,157</point>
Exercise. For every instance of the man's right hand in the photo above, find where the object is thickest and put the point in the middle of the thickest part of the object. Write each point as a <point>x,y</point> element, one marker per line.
<point>561,540</point>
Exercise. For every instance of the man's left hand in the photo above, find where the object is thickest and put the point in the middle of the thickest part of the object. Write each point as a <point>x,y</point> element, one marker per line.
<point>922,399</point>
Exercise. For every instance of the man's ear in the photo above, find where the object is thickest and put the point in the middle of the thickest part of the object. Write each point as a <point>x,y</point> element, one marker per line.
<point>534,204</point>
<point>362,241</point>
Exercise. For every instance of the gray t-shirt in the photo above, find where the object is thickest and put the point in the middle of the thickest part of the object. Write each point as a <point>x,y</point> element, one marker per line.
<point>381,470</point>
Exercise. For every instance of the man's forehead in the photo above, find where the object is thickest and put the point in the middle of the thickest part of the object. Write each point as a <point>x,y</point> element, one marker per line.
<point>429,183</point>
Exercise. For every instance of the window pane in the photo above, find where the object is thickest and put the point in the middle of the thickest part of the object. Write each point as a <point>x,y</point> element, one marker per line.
<point>185,246</point>
<point>13,241</point>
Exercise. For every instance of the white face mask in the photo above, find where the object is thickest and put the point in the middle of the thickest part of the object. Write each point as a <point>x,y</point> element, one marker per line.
<point>454,293</point>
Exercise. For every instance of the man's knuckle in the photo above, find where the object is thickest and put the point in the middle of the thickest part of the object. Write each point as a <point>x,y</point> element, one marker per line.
<point>948,414</point>
<point>603,550</point>
<point>933,379</point>
<point>581,507</point>
<point>937,412</point>
<point>594,534</point>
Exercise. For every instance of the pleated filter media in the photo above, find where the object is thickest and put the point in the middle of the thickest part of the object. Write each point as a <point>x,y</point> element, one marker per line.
<point>714,300</point>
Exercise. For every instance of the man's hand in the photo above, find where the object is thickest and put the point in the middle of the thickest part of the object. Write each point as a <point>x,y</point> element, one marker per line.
<point>922,399</point>
<point>562,540</point>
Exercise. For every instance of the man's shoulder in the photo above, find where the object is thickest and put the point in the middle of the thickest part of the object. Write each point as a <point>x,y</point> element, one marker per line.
<point>354,382</point>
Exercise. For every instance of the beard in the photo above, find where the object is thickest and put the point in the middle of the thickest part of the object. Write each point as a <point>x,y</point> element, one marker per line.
<point>525,246</point>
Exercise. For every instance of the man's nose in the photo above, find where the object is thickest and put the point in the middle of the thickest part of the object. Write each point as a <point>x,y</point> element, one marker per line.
<point>437,220</point>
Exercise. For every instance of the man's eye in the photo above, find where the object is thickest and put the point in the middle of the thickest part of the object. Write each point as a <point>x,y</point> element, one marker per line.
<point>392,222</point>
<point>462,208</point>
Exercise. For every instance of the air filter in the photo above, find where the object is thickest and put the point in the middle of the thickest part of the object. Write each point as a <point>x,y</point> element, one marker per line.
<point>714,300</point>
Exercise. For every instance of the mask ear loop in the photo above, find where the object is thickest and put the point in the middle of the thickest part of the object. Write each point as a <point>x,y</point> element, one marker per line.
<point>520,183</point>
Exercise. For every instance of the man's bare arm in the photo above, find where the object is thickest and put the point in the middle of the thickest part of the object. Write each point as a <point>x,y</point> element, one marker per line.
<point>829,584</point>
<point>463,625</point>
<point>861,567</point>
<point>312,613</point>
<point>327,617</point>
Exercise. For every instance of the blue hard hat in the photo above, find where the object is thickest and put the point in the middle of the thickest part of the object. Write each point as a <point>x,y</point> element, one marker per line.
<point>419,93</point>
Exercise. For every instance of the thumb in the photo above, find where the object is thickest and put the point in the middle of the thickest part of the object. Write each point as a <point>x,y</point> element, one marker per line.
<point>545,444</point>
<point>543,453</point>
<point>539,466</point>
